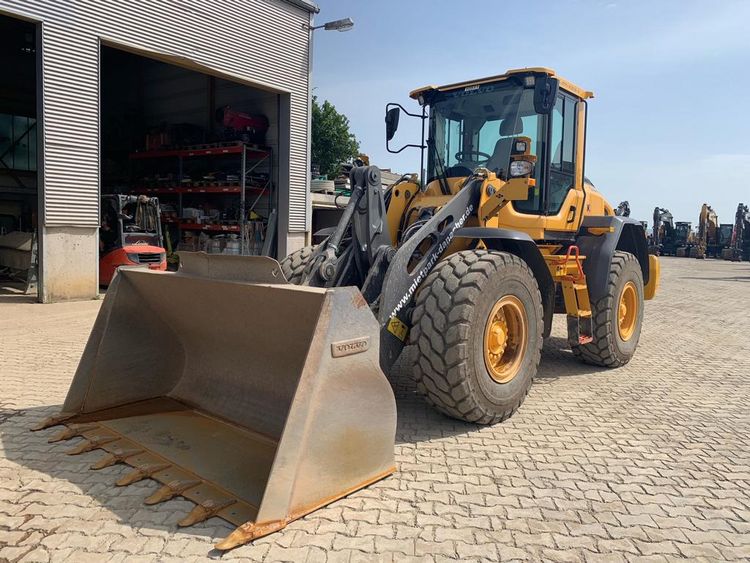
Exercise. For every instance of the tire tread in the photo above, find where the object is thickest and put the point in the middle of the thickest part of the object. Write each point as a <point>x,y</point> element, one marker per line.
<point>441,331</point>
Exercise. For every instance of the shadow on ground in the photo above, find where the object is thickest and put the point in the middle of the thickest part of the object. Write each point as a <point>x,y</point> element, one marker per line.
<point>417,422</point>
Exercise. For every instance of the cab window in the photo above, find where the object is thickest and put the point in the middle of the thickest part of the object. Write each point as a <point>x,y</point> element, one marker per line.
<point>562,162</point>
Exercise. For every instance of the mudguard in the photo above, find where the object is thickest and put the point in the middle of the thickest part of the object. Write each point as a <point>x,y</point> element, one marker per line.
<point>523,246</point>
<point>620,233</point>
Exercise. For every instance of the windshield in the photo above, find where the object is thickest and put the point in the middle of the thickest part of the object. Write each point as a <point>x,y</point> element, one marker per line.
<point>137,222</point>
<point>140,217</point>
<point>480,127</point>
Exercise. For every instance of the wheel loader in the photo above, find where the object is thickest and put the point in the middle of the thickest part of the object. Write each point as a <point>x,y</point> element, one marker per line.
<point>684,239</point>
<point>257,389</point>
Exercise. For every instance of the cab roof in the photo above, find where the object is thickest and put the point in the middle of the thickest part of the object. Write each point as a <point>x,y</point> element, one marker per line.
<point>564,84</point>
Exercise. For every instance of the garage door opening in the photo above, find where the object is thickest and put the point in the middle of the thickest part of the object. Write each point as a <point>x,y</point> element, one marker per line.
<point>19,183</point>
<point>188,162</point>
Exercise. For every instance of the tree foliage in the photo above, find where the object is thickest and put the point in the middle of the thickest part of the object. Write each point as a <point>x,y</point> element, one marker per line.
<point>332,142</point>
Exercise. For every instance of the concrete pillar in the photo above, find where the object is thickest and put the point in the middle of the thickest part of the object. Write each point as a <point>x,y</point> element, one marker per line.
<point>69,259</point>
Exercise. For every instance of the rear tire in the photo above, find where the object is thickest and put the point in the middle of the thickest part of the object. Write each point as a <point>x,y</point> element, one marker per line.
<point>613,345</point>
<point>452,328</point>
<point>293,266</point>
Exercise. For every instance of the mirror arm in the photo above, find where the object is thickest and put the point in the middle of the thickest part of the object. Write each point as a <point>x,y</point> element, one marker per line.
<point>422,116</point>
<point>390,150</point>
<point>390,105</point>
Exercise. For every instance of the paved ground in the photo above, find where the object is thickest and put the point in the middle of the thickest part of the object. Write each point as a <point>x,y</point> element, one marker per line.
<point>651,461</point>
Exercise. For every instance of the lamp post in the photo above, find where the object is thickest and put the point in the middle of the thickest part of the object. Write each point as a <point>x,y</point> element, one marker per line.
<point>336,25</point>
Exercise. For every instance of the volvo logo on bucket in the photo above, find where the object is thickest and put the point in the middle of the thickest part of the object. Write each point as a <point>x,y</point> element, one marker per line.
<point>349,347</point>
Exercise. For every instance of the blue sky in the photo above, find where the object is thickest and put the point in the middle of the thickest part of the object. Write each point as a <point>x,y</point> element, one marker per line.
<point>670,123</point>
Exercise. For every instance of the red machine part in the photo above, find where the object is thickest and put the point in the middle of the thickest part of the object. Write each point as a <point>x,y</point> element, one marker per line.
<point>109,262</point>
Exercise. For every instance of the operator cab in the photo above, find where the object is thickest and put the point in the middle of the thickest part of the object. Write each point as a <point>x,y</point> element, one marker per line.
<point>527,123</point>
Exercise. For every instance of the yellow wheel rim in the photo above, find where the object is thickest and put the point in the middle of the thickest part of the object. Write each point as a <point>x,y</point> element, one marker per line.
<point>505,337</point>
<point>627,311</point>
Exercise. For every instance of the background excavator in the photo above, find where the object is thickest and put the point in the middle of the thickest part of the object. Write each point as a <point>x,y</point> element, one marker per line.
<point>707,239</point>
<point>739,247</point>
<point>663,239</point>
<point>623,209</point>
<point>684,239</point>
<point>289,409</point>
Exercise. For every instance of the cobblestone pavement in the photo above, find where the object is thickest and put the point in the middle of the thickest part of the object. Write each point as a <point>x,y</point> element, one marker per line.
<point>648,462</point>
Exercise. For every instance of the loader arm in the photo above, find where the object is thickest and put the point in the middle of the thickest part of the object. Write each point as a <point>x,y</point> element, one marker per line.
<point>361,236</point>
<point>411,264</point>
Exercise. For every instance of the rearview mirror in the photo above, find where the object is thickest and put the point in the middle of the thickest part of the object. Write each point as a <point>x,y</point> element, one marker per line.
<point>545,94</point>
<point>391,122</point>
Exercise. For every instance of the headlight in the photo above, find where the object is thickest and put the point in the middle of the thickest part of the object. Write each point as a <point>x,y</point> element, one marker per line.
<point>520,168</point>
<point>162,256</point>
<point>519,147</point>
<point>133,257</point>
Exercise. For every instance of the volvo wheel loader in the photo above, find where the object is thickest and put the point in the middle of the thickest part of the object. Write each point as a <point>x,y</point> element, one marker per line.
<point>287,407</point>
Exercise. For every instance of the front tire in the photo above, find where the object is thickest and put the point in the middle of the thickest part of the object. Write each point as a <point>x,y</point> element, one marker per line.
<point>293,266</point>
<point>477,326</point>
<point>616,318</point>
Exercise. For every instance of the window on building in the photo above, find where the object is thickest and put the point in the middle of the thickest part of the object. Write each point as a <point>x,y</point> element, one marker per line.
<point>17,142</point>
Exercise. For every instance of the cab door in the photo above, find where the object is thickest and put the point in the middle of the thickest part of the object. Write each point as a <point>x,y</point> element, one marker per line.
<point>564,196</point>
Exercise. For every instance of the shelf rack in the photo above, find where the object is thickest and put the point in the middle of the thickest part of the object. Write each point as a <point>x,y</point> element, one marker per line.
<point>251,158</point>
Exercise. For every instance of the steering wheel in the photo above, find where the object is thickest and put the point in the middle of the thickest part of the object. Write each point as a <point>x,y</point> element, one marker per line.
<point>459,156</point>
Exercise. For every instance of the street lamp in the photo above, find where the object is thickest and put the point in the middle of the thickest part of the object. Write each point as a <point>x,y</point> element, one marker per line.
<point>337,25</point>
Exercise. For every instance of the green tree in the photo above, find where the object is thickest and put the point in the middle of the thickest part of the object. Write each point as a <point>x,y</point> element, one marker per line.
<point>332,142</point>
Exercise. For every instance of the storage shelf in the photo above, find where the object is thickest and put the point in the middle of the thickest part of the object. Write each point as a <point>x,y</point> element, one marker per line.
<point>190,226</point>
<point>249,157</point>
<point>232,189</point>
<point>210,151</point>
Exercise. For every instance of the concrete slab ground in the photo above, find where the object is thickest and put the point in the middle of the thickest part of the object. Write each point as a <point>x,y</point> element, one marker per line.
<point>647,462</point>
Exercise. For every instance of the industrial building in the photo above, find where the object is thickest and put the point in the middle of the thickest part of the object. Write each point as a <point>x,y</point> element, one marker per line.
<point>203,105</point>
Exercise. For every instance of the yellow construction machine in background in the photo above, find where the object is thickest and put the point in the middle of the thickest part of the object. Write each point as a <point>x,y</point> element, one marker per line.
<point>289,408</point>
<point>707,237</point>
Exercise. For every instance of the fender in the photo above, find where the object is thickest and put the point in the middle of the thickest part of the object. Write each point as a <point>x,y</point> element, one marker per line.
<point>523,246</point>
<point>617,233</point>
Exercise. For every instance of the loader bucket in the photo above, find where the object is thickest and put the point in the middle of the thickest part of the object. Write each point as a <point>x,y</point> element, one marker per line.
<point>257,400</point>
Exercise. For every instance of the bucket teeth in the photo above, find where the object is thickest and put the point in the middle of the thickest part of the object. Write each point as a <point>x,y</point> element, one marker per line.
<point>53,420</point>
<point>248,532</point>
<point>92,444</point>
<point>141,473</point>
<point>204,511</point>
<point>71,432</point>
<point>171,489</point>
<point>116,456</point>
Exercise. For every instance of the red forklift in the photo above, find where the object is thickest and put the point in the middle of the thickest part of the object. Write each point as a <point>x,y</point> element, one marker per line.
<point>130,235</point>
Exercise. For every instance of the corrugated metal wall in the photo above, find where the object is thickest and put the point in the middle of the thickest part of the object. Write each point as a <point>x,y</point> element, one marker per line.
<point>262,41</point>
